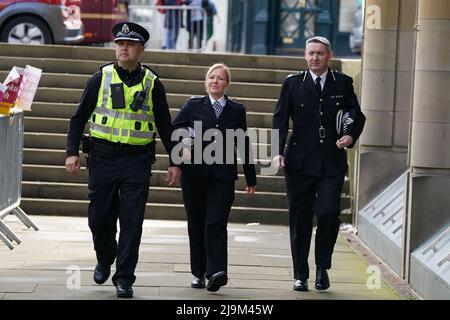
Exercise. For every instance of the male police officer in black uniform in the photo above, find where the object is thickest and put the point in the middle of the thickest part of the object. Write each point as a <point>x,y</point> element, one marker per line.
<point>123,102</point>
<point>315,161</point>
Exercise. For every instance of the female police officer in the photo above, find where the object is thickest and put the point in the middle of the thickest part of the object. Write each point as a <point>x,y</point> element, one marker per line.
<point>125,104</point>
<point>208,188</point>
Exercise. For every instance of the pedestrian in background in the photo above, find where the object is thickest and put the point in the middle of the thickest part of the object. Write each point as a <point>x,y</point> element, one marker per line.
<point>172,21</point>
<point>211,12</point>
<point>196,20</point>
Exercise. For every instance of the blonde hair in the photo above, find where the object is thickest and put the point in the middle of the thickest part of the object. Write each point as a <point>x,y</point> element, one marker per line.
<point>221,66</point>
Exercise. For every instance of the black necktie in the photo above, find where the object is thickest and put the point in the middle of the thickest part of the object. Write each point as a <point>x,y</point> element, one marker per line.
<point>318,86</point>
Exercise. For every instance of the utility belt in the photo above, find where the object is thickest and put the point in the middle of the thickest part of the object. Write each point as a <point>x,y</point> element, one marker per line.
<point>314,132</point>
<point>105,148</point>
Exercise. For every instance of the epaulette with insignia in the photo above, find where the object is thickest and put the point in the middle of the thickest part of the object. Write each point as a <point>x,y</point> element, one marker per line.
<point>106,64</point>
<point>153,71</point>
<point>234,100</point>
<point>303,75</point>
<point>196,97</point>
<point>298,74</point>
<point>335,73</point>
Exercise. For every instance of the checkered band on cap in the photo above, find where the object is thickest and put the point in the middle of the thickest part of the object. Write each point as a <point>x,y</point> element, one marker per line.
<point>130,31</point>
<point>131,34</point>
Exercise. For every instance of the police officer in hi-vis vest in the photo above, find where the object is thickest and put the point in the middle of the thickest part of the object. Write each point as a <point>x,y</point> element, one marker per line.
<point>315,161</point>
<point>125,104</point>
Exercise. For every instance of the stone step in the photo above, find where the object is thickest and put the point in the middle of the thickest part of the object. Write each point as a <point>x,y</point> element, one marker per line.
<point>58,157</point>
<point>162,57</point>
<point>51,110</point>
<point>189,87</point>
<point>39,140</point>
<point>57,174</point>
<point>77,191</point>
<point>61,126</point>
<point>44,140</point>
<point>46,125</point>
<point>159,211</point>
<point>65,111</point>
<point>174,100</point>
<point>65,207</point>
<point>48,189</point>
<point>82,70</point>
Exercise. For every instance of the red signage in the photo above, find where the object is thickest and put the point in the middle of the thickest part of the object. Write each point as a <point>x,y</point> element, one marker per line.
<point>12,83</point>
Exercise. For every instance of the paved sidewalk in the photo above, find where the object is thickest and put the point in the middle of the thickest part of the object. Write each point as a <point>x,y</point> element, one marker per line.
<point>45,264</point>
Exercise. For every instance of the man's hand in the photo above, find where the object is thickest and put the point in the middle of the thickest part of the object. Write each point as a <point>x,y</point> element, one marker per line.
<point>278,161</point>
<point>73,164</point>
<point>250,190</point>
<point>344,142</point>
<point>173,176</point>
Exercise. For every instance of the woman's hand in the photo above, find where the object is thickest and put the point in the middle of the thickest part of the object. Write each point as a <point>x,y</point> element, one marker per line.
<point>278,162</point>
<point>250,190</point>
<point>173,176</point>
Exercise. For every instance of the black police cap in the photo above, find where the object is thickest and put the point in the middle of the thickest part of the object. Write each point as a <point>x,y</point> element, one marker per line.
<point>130,31</point>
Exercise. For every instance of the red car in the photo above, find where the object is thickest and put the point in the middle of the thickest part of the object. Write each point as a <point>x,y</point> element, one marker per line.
<point>60,21</point>
<point>100,16</point>
<point>41,21</point>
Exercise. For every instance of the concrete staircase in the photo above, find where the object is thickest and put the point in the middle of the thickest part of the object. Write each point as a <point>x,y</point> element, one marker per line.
<point>48,189</point>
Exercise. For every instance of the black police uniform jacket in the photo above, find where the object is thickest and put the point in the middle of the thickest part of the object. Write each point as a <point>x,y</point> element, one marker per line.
<point>233,116</point>
<point>307,152</point>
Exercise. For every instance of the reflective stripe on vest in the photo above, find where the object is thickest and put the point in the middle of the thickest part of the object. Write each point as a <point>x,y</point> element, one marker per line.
<point>124,115</point>
<point>117,132</point>
<point>123,125</point>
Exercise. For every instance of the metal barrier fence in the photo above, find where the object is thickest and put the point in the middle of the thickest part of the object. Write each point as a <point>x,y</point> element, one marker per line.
<point>11,155</point>
<point>178,28</point>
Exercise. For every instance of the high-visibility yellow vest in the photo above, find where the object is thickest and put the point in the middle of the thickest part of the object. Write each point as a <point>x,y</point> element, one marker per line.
<point>123,125</point>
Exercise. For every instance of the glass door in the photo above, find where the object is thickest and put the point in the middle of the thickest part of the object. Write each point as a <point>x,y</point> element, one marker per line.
<point>296,23</point>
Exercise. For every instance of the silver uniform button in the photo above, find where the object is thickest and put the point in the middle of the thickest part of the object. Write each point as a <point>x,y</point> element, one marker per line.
<point>321,141</point>
<point>321,99</point>
<point>294,144</point>
<point>337,103</point>
<point>217,125</point>
<point>321,113</point>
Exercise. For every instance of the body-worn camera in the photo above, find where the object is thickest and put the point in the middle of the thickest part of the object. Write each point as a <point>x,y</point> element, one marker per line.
<point>138,101</point>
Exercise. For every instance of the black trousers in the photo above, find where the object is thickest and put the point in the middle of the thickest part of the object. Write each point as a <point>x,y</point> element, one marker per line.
<point>208,203</point>
<point>308,195</point>
<point>118,189</point>
<point>196,32</point>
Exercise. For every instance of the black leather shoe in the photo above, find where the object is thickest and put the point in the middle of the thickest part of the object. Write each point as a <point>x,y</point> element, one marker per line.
<point>101,273</point>
<point>216,281</point>
<point>124,290</point>
<point>301,285</point>
<point>198,283</point>
<point>322,281</point>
